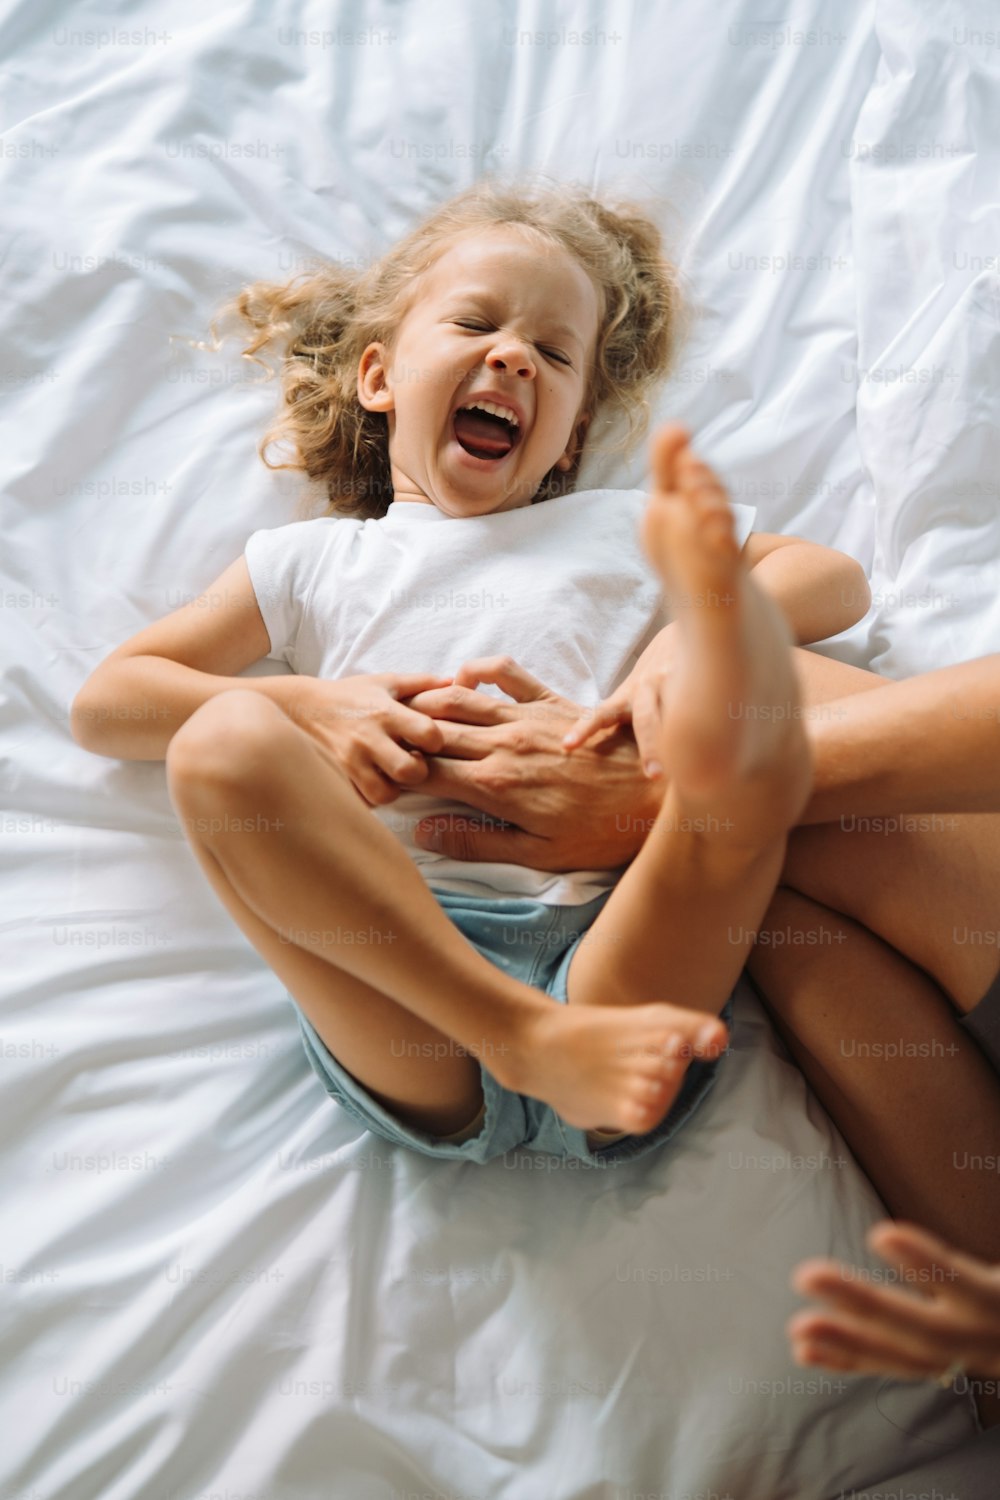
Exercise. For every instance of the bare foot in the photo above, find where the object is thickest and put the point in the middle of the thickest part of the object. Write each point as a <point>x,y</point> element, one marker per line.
<point>731,717</point>
<point>617,1067</point>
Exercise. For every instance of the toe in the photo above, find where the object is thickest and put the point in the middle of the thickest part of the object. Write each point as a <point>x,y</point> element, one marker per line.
<point>668,442</point>
<point>710,1039</point>
<point>649,1114</point>
<point>693,1034</point>
<point>694,475</point>
<point>637,1117</point>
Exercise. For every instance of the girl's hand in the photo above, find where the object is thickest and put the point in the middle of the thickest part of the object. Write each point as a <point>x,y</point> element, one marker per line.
<point>373,737</point>
<point>638,700</point>
<point>954,1324</point>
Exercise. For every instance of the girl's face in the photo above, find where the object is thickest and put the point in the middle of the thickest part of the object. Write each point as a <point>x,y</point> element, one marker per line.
<point>495,319</point>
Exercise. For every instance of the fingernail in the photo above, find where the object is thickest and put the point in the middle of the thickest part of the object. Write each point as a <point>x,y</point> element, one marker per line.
<point>653,768</point>
<point>706,1036</point>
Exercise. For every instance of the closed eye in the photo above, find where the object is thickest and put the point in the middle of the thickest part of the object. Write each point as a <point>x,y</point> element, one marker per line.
<point>485,328</point>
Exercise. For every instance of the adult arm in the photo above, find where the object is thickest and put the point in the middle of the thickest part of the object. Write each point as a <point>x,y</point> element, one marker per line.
<point>532,804</point>
<point>928,744</point>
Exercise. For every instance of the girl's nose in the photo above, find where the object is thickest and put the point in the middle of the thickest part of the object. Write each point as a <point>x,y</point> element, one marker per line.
<point>511,355</point>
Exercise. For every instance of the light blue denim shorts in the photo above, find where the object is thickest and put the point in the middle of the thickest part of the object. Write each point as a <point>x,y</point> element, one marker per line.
<point>535,943</point>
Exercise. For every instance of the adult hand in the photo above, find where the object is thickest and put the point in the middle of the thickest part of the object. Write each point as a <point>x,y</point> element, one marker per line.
<point>892,1331</point>
<point>539,806</point>
<point>639,701</point>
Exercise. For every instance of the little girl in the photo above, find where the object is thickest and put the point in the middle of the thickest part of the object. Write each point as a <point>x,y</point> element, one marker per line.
<point>443,397</point>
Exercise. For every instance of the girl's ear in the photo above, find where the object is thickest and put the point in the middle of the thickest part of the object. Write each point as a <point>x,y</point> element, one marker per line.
<point>575,444</point>
<point>373,388</point>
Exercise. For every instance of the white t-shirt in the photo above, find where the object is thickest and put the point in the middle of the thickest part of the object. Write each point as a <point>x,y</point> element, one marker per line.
<point>562,586</point>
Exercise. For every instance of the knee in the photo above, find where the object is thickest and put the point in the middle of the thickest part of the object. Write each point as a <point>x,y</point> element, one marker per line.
<point>229,740</point>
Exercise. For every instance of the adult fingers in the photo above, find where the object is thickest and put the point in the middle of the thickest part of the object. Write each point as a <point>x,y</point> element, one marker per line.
<point>506,674</point>
<point>927,1261</point>
<point>456,780</point>
<point>464,705</point>
<point>416,729</point>
<point>614,710</point>
<point>477,839</point>
<point>843,1343</point>
<point>465,741</point>
<point>647,728</point>
<point>405,684</point>
<point>917,1327</point>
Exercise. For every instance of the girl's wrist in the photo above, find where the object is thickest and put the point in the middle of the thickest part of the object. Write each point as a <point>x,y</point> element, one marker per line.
<point>284,689</point>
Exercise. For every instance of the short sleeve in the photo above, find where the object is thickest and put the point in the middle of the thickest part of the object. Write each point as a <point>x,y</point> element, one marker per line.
<point>280,570</point>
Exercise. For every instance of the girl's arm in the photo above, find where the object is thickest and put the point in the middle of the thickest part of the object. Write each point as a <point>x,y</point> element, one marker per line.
<point>819,590</point>
<point>131,706</point>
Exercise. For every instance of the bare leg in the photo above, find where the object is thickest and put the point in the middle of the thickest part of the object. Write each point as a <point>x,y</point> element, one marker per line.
<point>683,918</point>
<point>931,891</point>
<point>918,897</point>
<point>927,883</point>
<point>910,1092</point>
<point>823,681</point>
<point>407,1065</point>
<point>307,859</point>
<point>926,744</point>
<point>875,1034</point>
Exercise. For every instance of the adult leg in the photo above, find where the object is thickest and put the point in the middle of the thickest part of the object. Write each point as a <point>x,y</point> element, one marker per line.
<point>309,863</point>
<point>912,1095</point>
<point>926,883</point>
<point>925,744</point>
<point>910,906</point>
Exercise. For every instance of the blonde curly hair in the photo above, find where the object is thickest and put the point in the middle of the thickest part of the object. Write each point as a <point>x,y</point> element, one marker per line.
<point>323,320</point>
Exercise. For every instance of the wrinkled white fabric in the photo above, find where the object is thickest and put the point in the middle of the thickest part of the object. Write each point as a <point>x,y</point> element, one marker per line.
<point>215,1286</point>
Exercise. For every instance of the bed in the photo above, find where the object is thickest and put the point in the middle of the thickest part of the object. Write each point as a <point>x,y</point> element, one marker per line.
<point>219,1287</point>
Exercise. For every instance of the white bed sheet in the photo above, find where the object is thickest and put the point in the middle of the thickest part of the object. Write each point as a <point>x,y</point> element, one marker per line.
<point>216,1285</point>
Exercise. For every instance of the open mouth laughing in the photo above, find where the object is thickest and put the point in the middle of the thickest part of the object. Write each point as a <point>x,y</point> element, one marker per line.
<point>486,429</point>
